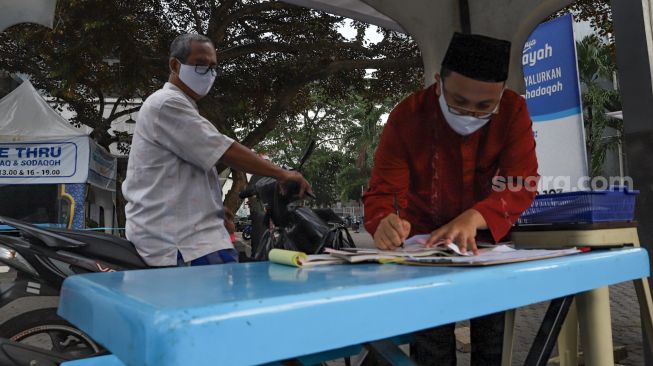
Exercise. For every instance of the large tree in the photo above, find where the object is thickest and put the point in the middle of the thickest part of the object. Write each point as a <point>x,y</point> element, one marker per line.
<point>271,54</point>
<point>274,53</point>
<point>97,50</point>
<point>597,12</point>
<point>346,133</point>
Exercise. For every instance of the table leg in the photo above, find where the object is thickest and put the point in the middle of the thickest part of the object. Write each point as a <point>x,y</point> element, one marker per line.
<point>646,309</point>
<point>389,352</point>
<point>568,339</point>
<point>508,337</point>
<point>544,341</point>
<point>595,326</point>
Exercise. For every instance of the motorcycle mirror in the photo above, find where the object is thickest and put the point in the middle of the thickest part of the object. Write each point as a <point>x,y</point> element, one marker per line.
<point>307,153</point>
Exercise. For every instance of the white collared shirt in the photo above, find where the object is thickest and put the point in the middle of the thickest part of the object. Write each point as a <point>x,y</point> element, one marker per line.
<point>174,201</point>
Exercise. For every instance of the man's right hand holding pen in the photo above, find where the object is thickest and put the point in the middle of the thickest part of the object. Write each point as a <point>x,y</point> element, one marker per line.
<point>392,230</point>
<point>391,233</point>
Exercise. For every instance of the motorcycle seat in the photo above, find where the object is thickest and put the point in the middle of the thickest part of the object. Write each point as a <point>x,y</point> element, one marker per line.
<point>106,247</point>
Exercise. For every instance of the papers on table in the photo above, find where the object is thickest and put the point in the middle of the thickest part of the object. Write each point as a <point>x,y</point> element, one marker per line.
<point>501,254</point>
<point>415,252</point>
<point>356,255</point>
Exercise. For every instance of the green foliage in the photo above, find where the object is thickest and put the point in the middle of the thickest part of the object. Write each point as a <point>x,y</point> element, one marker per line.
<point>594,60</point>
<point>594,64</point>
<point>71,61</point>
<point>275,57</point>
<point>322,123</point>
<point>346,132</point>
<point>322,171</point>
<point>279,62</point>
<point>352,182</point>
<point>363,136</point>
<point>597,12</point>
<point>271,53</point>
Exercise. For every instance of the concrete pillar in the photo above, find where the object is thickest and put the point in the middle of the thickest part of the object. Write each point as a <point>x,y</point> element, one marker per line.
<point>632,24</point>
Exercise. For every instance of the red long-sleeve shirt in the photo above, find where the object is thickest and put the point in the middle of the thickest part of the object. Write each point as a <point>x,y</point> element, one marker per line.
<point>437,174</point>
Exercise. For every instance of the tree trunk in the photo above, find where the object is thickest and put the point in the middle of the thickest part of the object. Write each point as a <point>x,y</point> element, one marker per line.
<point>231,200</point>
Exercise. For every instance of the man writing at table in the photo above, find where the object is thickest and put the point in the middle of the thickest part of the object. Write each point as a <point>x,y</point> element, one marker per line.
<point>439,154</point>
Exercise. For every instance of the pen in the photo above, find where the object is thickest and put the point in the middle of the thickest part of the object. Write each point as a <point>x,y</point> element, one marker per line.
<point>396,203</point>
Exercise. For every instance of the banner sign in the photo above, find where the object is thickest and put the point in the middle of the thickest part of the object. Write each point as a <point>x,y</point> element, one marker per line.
<point>103,168</point>
<point>554,102</point>
<point>44,162</point>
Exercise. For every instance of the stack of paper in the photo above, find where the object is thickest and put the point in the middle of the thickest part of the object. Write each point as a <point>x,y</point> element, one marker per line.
<point>500,254</point>
<point>415,253</point>
<point>355,255</point>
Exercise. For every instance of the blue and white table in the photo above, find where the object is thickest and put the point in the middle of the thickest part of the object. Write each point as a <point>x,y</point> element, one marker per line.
<point>254,313</point>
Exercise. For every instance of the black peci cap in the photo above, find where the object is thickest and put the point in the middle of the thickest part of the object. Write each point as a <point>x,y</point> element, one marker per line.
<point>478,57</point>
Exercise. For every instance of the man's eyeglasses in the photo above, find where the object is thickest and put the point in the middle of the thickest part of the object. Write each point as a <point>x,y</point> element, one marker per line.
<point>460,111</point>
<point>204,69</point>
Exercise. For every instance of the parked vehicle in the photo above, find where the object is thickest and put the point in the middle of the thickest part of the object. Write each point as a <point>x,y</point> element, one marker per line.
<point>241,223</point>
<point>247,231</point>
<point>19,354</point>
<point>42,259</point>
<point>286,224</point>
<point>31,332</point>
<point>356,224</point>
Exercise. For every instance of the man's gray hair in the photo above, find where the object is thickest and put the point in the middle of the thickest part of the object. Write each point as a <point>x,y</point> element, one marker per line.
<point>180,47</point>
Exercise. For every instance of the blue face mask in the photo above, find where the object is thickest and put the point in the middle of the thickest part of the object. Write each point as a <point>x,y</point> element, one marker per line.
<point>463,125</point>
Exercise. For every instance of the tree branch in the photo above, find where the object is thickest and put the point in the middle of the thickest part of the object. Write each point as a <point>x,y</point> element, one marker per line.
<point>115,106</point>
<point>288,94</point>
<point>215,31</point>
<point>220,29</point>
<point>296,48</point>
<point>124,113</point>
<point>209,111</point>
<point>101,101</point>
<point>198,20</point>
<point>270,122</point>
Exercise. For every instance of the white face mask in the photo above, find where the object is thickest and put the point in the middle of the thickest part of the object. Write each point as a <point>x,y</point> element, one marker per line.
<point>200,84</point>
<point>463,125</point>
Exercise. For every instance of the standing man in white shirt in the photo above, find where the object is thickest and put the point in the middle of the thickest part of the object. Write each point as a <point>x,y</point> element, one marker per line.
<point>174,206</point>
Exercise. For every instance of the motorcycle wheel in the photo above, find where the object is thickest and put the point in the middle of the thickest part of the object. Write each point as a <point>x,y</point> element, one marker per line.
<point>45,329</point>
<point>247,235</point>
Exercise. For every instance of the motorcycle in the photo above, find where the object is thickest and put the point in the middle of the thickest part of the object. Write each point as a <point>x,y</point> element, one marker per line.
<point>30,329</point>
<point>283,223</point>
<point>42,259</point>
<point>19,354</point>
<point>247,231</point>
<point>31,332</point>
<point>356,224</point>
